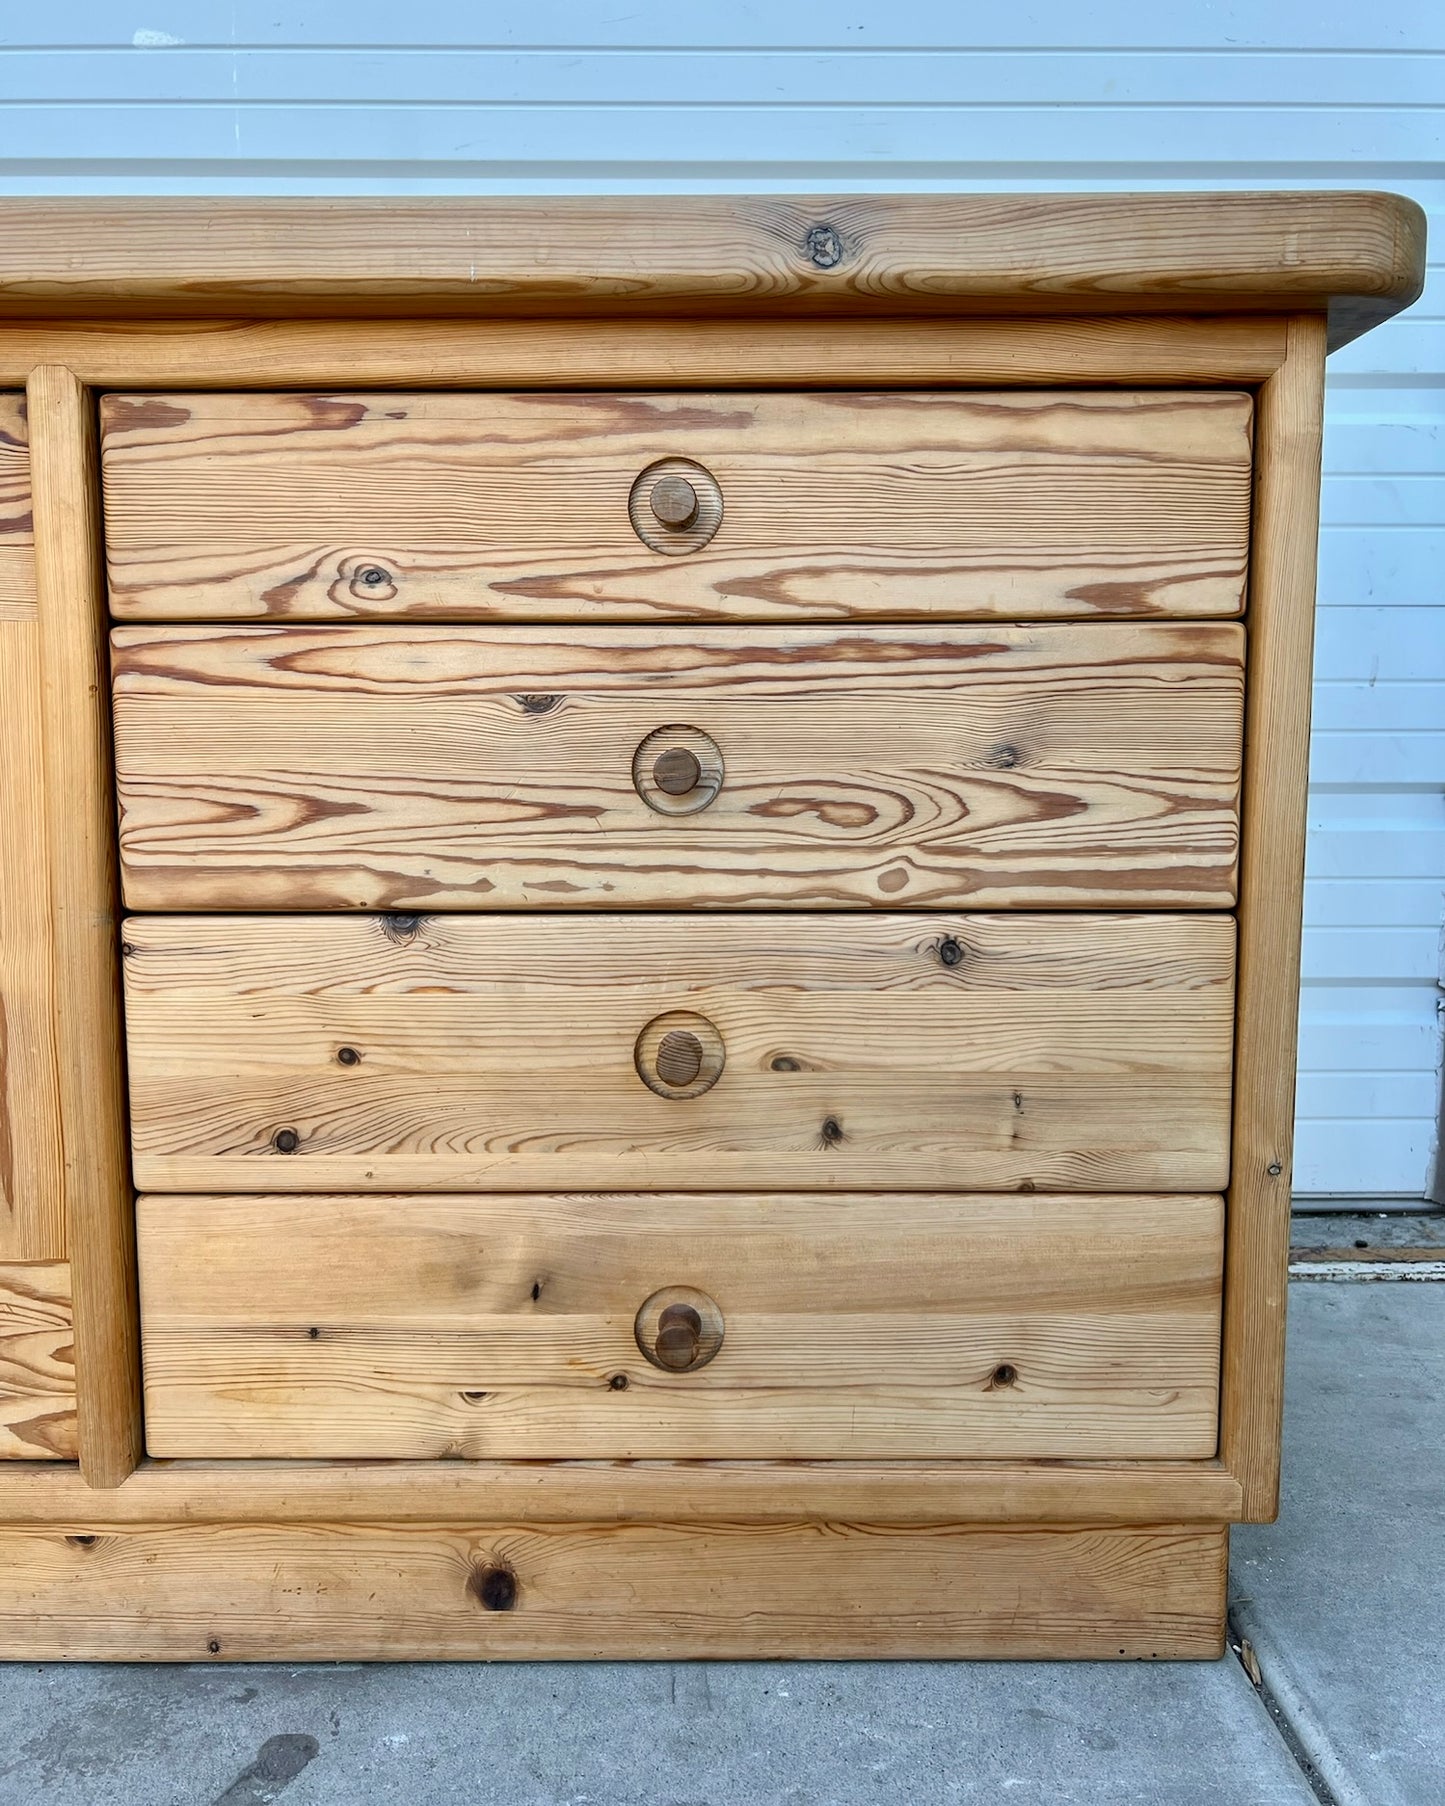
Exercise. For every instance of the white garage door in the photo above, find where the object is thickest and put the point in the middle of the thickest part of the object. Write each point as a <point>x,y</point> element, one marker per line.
<point>447,96</point>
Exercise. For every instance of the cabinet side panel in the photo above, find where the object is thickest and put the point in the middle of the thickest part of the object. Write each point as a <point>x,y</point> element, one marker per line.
<point>32,1217</point>
<point>37,1365</point>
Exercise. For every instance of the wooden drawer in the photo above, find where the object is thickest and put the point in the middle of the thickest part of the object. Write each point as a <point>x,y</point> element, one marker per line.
<point>472,767</point>
<point>328,1053</point>
<point>822,505</point>
<point>831,1326</point>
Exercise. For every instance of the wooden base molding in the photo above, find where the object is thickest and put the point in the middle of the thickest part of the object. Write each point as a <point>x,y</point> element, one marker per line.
<point>363,1592</point>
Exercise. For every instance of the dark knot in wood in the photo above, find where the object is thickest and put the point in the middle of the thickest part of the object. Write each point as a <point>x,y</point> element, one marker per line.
<point>495,1589</point>
<point>824,247</point>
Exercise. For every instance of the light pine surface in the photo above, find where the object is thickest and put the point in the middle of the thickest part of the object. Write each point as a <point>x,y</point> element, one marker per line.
<point>852,1327</point>
<point>356,1592</point>
<point>794,350</point>
<point>467,767</point>
<point>1249,1438</point>
<point>32,1216</point>
<point>37,1364</point>
<point>1008,505</point>
<point>1282,609</point>
<point>1104,1492</point>
<point>454,1052</point>
<point>17,538</point>
<point>1360,254</point>
<point>80,809</point>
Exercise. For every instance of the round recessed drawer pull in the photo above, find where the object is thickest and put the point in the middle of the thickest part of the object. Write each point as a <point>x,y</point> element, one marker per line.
<point>679,1329</point>
<point>677,770</point>
<point>679,1337</point>
<point>680,1054</point>
<point>674,502</point>
<point>675,506</point>
<point>679,1057</point>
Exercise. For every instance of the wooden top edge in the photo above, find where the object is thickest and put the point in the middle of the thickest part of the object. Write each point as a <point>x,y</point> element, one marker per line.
<point>1358,254</point>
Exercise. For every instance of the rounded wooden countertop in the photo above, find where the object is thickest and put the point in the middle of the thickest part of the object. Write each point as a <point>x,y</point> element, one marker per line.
<point>1357,255</point>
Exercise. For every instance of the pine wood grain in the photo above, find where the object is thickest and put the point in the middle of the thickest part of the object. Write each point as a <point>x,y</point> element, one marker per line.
<point>80,807</point>
<point>674,1492</point>
<point>1010,505</point>
<point>32,1221</point>
<point>1282,599</point>
<point>37,1364</point>
<point>1361,254</point>
<point>17,538</point>
<point>266,1592</point>
<point>32,1216</point>
<point>907,351</point>
<point>406,768</point>
<point>1079,1052</point>
<point>852,1327</point>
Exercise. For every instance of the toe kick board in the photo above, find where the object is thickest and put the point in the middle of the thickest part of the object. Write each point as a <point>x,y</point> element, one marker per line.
<point>275,1592</point>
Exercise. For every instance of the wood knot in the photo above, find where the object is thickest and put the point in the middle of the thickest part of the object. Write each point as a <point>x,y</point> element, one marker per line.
<point>285,1141</point>
<point>823,246</point>
<point>950,951</point>
<point>539,705</point>
<point>369,582</point>
<point>495,1589</point>
<point>832,1131</point>
<point>1004,757</point>
<point>348,1056</point>
<point>401,928</point>
<point>1003,1375</point>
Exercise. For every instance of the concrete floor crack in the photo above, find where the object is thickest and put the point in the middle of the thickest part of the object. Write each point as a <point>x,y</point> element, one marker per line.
<point>1243,1651</point>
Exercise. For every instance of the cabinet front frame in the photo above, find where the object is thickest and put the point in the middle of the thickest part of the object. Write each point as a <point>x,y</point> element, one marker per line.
<point>1278,357</point>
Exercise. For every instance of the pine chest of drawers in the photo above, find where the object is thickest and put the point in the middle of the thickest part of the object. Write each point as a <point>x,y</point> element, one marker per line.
<point>650,916</point>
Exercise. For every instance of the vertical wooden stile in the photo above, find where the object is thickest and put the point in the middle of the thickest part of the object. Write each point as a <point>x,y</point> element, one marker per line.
<point>98,1202</point>
<point>32,1220</point>
<point>1276,766</point>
